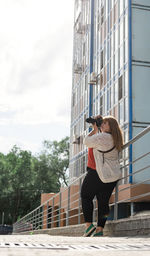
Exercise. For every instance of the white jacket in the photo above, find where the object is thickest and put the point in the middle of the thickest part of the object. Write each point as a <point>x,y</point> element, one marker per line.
<point>109,169</point>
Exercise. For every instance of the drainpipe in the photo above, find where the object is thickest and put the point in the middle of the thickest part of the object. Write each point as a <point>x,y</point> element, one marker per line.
<point>91,58</point>
<point>130,85</point>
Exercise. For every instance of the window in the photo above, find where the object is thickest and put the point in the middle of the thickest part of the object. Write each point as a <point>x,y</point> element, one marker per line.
<point>102,59</point>
<point>84,49</point>
<point>126,3</point>
<point>120,84</point>
<point>126,50</point>
<point>121,57</point>
<point>105,75</point>
<point>111,97</point>
<point>105,30</point>
<point>112,44</point>
<point>102,34</point>
<point>105,102</point>
<point>108,72</point>
<point>112,66</point>
<point>115,13</point>
<point>105,55</point>
<point>126,26</point>
<point>121,6</point>
<point>98,21</point>
<point>121,117</point>
<point>108,45</point>
<point>121,33</point>
<point>116,93</point>
<point>116,62</point>
<point>108,101</point>
<point>116,112</point>
<point>126,83</point>
<point>116,39</point>
<point>101,80</point>
<point>85,123</point>
<point>126,109</point>
<point>73,99</point>
<point>111,19</point>
<point>102,15</point>
<point>101,105</point>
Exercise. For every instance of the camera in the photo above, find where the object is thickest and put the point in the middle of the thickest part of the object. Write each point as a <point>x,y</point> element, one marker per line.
<point>92,120</point>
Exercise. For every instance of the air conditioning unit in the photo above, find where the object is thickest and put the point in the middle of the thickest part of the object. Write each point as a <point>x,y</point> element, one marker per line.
<point>80,28</point>
<point>93,78</point>
<point>76,139</point>
<point>77,68</point>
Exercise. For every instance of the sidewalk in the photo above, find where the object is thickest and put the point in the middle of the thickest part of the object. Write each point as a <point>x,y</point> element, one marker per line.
<point>43,244</point>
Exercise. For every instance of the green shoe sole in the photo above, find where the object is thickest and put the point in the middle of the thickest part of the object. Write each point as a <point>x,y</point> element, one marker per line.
<point>98,234</point>
<point>89,231</point>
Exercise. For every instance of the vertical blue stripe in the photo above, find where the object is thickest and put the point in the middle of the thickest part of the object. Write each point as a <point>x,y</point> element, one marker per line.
<point>91,58</point>
<point>130,85</point>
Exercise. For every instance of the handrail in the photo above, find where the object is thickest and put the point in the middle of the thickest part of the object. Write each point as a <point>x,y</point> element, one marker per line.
<point>51,214</point>
<point>138,136</point>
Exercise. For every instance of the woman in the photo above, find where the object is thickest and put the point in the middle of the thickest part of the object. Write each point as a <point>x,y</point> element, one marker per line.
<point>103,172</point>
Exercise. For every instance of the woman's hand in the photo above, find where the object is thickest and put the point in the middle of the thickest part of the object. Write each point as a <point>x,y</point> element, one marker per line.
<point>94,131</point>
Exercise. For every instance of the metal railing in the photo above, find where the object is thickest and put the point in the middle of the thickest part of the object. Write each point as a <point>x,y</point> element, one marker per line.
<point>64,208</point>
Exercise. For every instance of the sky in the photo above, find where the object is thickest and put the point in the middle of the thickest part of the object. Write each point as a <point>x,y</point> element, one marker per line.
<point>36,45</point>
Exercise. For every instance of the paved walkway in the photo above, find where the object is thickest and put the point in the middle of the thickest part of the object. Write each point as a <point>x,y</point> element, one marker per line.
<point>41,245</point>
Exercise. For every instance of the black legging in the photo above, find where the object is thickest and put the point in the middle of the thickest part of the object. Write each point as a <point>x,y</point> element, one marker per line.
<point>92,186</point>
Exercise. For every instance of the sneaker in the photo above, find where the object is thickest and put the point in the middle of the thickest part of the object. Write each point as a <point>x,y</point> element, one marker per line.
<point>89,230</point>
<point>98,234</point>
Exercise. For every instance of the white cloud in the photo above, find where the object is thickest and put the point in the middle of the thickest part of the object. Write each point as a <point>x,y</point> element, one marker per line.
<point>36,63</point>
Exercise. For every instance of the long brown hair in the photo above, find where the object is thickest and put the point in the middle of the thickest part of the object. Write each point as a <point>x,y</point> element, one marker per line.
<point>115,131</point>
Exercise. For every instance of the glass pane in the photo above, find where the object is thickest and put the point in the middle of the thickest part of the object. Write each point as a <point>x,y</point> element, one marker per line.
<point>108,102</point>
<point>121,57</point>
<point>126,51</point>
<point>121,116</point>
<point>105,103</point>
<point>121,6</point>
<point>126,83</point>
<point>121,33</point>
<point>116,62</point>
<point>105,74</point>
<point>115,12</point>
<point>116,39</point>
<point>101,105</point>
<point>126,110</point>
<point>120,84</point>
<point>116,93</point>
<point>112,43</point>
<point>102,59</point>
<point>112,96</point>
<point>126,3</point>
<point>126,26</point>
<point>116,112</point>
<point>108,72</point>
<point>112,66</point>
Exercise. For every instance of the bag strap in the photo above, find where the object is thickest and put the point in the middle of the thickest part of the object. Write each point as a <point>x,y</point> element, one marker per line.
<point>107,151</point>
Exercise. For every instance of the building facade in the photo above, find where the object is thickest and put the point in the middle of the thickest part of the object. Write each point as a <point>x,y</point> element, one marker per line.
<point>111,72</point>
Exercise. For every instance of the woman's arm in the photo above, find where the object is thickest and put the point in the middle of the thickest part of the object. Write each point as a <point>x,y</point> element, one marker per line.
<point>94,131</point>
<point>91,140</point>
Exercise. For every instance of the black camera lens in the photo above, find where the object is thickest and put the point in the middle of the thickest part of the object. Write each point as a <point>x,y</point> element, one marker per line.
<point>92,120</point>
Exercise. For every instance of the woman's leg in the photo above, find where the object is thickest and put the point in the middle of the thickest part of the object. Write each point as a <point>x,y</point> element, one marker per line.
<point>103,197</point>
<point>87,195</point>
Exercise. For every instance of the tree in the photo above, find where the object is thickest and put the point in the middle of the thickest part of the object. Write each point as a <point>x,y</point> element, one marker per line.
<point>57,154</point>
<point>24,177</point>
<point>21,180</point>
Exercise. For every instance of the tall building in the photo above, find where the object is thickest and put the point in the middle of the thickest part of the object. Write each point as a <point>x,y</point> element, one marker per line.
<point>111,72</point>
